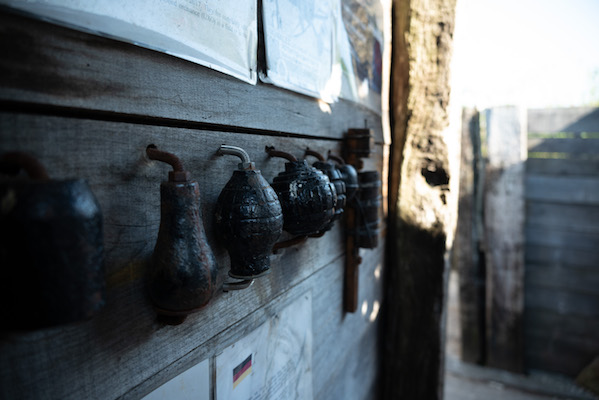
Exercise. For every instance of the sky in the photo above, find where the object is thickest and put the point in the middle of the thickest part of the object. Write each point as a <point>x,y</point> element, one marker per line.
<point>531,53</point>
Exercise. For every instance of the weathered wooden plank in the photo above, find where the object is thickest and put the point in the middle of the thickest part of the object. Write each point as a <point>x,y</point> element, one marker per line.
<point>561,256</point>
<point>562,302</point>
<point>552,166</point>
<point>571,119</point>
<point>358,331</point>
<point>561,355</point>
<point>570,190</point>
<point>566,217</point>
<point>124,346</point>
<point>561,277</point>
<point>543,323</point>
<point>574,147</point>
<point>466,248</point>
<point>548,236</point>
<point>504,236</point>
<point>52,68</point>
<point>332,336</point>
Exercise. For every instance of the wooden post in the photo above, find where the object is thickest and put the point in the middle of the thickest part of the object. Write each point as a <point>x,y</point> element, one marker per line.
<point>504,236</point>
<point>466,253</point>
<point>416,272</point>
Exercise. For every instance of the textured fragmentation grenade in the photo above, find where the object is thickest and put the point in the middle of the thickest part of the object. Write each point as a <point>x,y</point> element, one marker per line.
<point>349,175</point>
<point>334,175</point>
<point>183,268</point>
<point>249,218</point>
<point>369,202</point>
<point>307,196</point>
<point>51,248</point>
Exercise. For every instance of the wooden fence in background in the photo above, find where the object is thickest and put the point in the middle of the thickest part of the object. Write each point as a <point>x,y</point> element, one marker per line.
<point>562,239</point>
<point>539,308</point>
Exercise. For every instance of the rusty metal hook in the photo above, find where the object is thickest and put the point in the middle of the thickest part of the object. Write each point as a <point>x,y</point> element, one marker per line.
<point>14,161</point>
<point>277,153</point>
<point>314,153</point>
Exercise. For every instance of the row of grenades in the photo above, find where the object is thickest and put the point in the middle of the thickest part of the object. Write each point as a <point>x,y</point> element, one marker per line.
<point>54,229</point>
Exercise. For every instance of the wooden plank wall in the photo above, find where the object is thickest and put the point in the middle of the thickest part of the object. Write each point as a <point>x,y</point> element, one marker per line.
<point>88,107</point>
<point>562,239</point>
<point>504,236</point>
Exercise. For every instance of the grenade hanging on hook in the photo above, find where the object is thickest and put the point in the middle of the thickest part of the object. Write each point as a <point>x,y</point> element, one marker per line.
<point>183,268</point>
<point>334,175</point>
<point>349,175</point>
<point>307,196</point>
<point>51,248</point>
<point>249,219</point>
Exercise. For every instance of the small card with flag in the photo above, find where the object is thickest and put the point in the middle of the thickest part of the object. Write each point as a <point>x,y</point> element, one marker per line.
<point>241,371</point>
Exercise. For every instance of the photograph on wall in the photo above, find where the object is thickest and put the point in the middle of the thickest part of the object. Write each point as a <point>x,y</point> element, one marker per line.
<point>360,47</point>
<point>218,34</point>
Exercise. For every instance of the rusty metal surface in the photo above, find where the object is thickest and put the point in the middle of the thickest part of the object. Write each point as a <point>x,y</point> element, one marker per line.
<point>51,252</point>
<point>183,268</point>
<point>249,219</point>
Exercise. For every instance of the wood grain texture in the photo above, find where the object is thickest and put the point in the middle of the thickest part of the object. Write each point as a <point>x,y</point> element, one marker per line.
<point>124,351</point>
<point>565,167</point>
<point>563,277</point>
<point>504,236</point>
<point>552,120</point>
<point>563,217</point>
<point>567,190</point>
<point>466,248</point>
<point>416,279</point>
<point>574,148</point>
<point>551,255</point>
<point>60,70</point>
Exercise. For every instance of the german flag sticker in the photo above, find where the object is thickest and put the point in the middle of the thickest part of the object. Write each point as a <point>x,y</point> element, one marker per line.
<point>241,371</point>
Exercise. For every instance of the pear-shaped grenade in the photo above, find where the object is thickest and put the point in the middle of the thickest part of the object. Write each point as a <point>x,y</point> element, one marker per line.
<point>307,196</point>
<point>183,268</point>
<point>334,175</point>
<point>51,248</point>
<point>249,218</point>
<point>349,175</point>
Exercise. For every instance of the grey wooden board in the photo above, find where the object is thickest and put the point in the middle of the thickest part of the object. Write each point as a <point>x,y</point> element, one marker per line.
<point>562,302</point>
<point>353,334</point>
<point>563,278</point>
<point>560,256</point>
<point>124,348</point>
<point>466,258</point>
<point>543,323</point>
<point>54,68</point>
<point>546,236</point>
<point>504,236</point>
<point>563,217</point>
<point>574,148</point>
<point>564,167</point>
<point>570,190</point>
<point>574,119</point>
<point>562,355</point>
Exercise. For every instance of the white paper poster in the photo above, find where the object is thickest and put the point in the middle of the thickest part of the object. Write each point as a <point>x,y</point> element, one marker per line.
<point>272,362</point>
<point>193,384</point>
<point>298,36</point>
<point>360,50</point>
<point>219,34</point>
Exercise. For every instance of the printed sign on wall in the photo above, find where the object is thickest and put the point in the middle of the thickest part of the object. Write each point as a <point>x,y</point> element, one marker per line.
<point>219,34</point>
<point>193,384</point>
<point>272,362</point>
